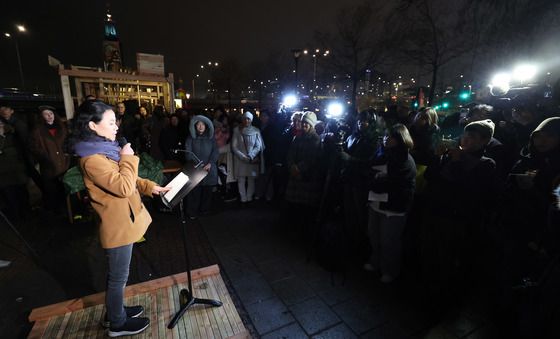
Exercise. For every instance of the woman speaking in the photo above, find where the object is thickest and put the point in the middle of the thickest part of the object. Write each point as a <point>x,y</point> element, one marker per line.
<point>111,177</point>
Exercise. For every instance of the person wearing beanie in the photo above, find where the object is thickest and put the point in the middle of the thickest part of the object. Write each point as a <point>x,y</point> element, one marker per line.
<point>484,127</point>
<point>310,118</point>
<point>47,145</point>
<point>303,189</point>
<point>247,146</point>
<point>462,191</point>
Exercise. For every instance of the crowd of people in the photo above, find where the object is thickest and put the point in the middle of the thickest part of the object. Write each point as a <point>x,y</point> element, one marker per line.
<point>469,194</point>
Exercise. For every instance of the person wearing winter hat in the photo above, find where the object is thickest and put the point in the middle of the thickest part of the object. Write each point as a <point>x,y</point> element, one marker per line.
<point>310,119</point>
<point>303,164</point>
<point>461,189</point>
<point>247,146</point>
<point>477,135</point>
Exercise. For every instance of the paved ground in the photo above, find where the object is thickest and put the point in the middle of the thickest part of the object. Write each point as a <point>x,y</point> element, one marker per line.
<point>278,291</point>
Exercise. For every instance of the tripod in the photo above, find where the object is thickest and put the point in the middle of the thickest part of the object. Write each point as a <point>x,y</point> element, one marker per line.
<point>186,295</point>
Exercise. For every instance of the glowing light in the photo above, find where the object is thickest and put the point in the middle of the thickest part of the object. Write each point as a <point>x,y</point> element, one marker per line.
<point>7,35</point>
<point>335,109</point>
<point>500,83</point>
<point>290,100</point>
<point>21,28</point>
<point>524,72</point>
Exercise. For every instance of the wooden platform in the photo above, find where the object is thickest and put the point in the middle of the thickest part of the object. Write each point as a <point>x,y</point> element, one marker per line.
<point>80,318</point>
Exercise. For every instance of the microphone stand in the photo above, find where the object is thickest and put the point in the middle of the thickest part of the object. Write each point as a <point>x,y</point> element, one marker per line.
<point>198,161</point>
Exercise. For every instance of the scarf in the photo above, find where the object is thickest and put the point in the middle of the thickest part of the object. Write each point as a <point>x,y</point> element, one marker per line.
<point>98,145</point>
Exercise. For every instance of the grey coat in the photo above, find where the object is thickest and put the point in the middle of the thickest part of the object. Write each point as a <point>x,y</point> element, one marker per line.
<point>204,147</point>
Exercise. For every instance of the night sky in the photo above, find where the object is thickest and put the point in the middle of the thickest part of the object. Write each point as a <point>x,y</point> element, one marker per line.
<point>187,33</point>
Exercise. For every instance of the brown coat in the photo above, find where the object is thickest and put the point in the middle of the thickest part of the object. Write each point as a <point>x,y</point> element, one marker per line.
<point>49,150</point>
<point>114,192</point>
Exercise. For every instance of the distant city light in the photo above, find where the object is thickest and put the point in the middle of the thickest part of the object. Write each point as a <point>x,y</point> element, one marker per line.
<point>21,28</point>
<point>7,35</point>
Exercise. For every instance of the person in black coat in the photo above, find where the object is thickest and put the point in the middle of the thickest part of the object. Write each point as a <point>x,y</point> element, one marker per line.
<point>461,190</point>
<point>359,149</point>
<point>202,143</point>
<point>170,139</point>
<point>393,186</point>
<point>531,182</point>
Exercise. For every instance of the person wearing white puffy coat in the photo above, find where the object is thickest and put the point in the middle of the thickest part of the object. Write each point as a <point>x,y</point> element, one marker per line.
<point>247,146</point>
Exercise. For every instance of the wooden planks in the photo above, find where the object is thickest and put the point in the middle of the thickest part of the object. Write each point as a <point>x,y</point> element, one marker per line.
<point>80,318</point>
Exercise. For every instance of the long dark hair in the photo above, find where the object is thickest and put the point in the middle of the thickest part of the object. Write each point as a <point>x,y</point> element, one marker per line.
<point>400,132</point>
<point>90,110</point>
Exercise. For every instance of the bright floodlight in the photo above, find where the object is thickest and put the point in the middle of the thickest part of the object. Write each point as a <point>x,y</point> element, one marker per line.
<point>500,83</point>
<point>524,72</point>
<point>290,100</point>
<point>21,28</point>
<point>335,109</point>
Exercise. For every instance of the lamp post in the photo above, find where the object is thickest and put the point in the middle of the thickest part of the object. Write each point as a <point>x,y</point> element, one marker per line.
<point>21,29</point>
<point>296,53</point>
<point>315,57</point>
<point>209,67</point>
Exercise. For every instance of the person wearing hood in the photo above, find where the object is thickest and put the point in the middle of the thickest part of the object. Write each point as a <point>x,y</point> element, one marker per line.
<point>247,145</point>
<point>531,182</point>
<point>48,148</point>
<point>202,143</point>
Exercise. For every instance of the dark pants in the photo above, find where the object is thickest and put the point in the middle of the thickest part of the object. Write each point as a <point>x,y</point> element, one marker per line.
<point>199,200</point>
<point>118,260</point>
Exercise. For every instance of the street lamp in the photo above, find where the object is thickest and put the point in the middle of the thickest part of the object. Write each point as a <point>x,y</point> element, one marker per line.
<point>20,29</point>
<point>296,53</point>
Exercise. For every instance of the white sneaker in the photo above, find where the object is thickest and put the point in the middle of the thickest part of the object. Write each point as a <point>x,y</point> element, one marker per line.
<point>4,263</point>
<point>386,279</point>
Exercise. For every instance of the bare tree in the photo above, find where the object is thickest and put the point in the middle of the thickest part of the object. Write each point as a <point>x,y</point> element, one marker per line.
<point>432,33</point>
<point>508,29</point>
<point>358,43</point>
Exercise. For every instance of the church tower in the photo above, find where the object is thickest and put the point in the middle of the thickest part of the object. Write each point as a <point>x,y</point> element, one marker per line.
<point>112,61</point>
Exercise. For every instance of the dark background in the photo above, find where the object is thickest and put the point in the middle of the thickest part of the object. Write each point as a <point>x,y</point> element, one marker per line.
<point>187,33</point>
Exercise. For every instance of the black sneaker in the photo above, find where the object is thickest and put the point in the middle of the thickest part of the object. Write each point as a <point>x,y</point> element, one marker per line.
<point>131,312</point>
<point>130,327</point>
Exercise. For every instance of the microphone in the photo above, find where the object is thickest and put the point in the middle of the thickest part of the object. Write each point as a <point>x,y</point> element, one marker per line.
<point>199,162</point>
<point>122,141</point>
